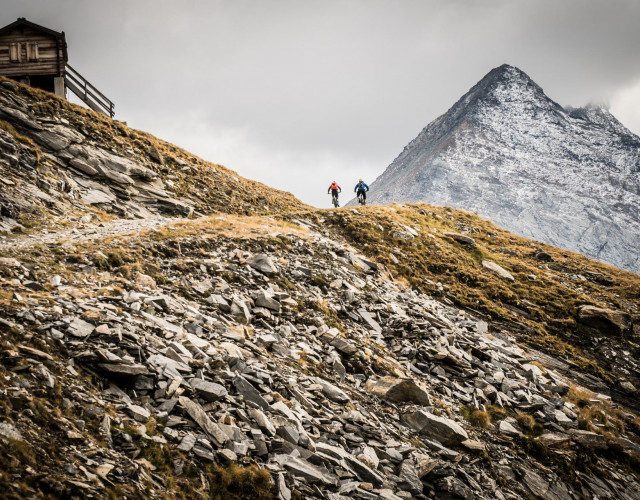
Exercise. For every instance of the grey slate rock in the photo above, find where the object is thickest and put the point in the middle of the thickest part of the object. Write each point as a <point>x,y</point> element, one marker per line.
<point>442,429</point>
<point>398,390</point>
<point>249,392</point>
<point>209,391</point>
<point>214,430</point>
<point>332,392</point>
<point>304,471</point>
<point>262,263</point>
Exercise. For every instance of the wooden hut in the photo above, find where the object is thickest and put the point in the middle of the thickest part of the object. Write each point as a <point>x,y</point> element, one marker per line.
<point>37,56</point>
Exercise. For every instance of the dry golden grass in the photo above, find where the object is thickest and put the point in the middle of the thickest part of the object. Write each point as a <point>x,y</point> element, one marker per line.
<point>597,415</point>
<point>232,226</point>
<point>579,395</point>
<point>23,139</point>
<point>479,418</point>
<point>528,423</point>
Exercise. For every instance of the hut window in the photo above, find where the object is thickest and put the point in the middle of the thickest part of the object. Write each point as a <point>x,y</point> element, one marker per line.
<point>32,51</point>
<point>14,52</point>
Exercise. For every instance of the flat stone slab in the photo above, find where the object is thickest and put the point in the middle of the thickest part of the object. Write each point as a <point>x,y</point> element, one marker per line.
<point>263,263</point>
<point>249,392</point>
<point>124,369</point>
<point>262,420</point>
<point>268,302</point>
<point>442,429</point>
<point>307,472</point>
<point>80,328</point>
<point>461,238</point>
<point>332,392</point>
<point>195,411</point>
<point>500,271</point>
<point>209,391</point>
<point>373,324</point>
<point>509,429</point>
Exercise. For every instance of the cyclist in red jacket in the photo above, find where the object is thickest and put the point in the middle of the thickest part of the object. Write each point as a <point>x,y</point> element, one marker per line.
<point>334,189</point>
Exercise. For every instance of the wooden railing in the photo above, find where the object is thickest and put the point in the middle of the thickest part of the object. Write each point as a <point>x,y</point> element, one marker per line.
<point>90,95</point>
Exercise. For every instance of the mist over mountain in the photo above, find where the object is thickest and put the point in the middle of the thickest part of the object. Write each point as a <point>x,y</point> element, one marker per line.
<point>566,176</point>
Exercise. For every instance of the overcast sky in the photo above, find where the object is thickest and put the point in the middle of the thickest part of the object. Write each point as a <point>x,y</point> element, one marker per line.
<point>297,93</point>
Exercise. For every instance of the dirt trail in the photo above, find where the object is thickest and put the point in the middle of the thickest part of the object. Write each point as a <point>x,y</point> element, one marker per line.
<point>85,232</point>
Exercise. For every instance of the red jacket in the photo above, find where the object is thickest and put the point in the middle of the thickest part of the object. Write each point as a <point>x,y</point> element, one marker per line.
<point>335,186</point>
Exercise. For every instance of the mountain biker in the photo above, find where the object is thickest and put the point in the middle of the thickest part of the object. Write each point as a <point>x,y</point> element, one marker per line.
<point>361,188</point>
<point>334,189</point>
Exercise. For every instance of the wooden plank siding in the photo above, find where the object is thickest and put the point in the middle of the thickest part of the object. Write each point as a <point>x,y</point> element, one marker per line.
<point>47,56</point>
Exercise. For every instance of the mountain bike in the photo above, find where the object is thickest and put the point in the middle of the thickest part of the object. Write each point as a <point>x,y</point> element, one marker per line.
<point>334,200</point>
<point>361,199</point>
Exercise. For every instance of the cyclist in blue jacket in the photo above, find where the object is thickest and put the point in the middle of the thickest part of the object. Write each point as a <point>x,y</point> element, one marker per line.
<point>361,189</point>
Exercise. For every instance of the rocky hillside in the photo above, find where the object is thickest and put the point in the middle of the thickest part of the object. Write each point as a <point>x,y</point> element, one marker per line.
<point>393,352</point>
<point>58,159</point>
<point>569,177</point>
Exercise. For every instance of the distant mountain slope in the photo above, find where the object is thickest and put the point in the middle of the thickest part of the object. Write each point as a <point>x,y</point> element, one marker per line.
<point>569,177</point>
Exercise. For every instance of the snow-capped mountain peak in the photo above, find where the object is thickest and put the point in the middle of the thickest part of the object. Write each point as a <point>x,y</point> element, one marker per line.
<point>570,177</point>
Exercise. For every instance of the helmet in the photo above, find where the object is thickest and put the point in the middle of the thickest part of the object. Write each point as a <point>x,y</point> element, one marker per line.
<point>360,180</point>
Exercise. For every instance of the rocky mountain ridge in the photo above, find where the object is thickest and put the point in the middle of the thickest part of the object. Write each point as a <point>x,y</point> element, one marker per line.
<point>406,351</point>
<point>506,151</point>
<point>60,159</point>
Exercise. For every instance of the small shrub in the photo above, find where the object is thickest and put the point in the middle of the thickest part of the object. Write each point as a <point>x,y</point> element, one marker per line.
<point>528,424</point>
<point>236,482</point>
<point>497,412</point>
<point>479,418</point>
<point>535,448</point>
<point>318,281</point>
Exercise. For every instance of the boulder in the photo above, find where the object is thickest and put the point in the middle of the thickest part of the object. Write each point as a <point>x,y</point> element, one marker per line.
<point>492,266</point>
<point>606,321</point>
<point>398,390</point>
<point>197,413</point>
<point>209,391</point>
<point>461,238</point>
<point>262,263</point>
<point>442,429</point>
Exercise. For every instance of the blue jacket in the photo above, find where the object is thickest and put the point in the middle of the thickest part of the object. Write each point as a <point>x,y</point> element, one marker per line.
<point>360,185</point>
